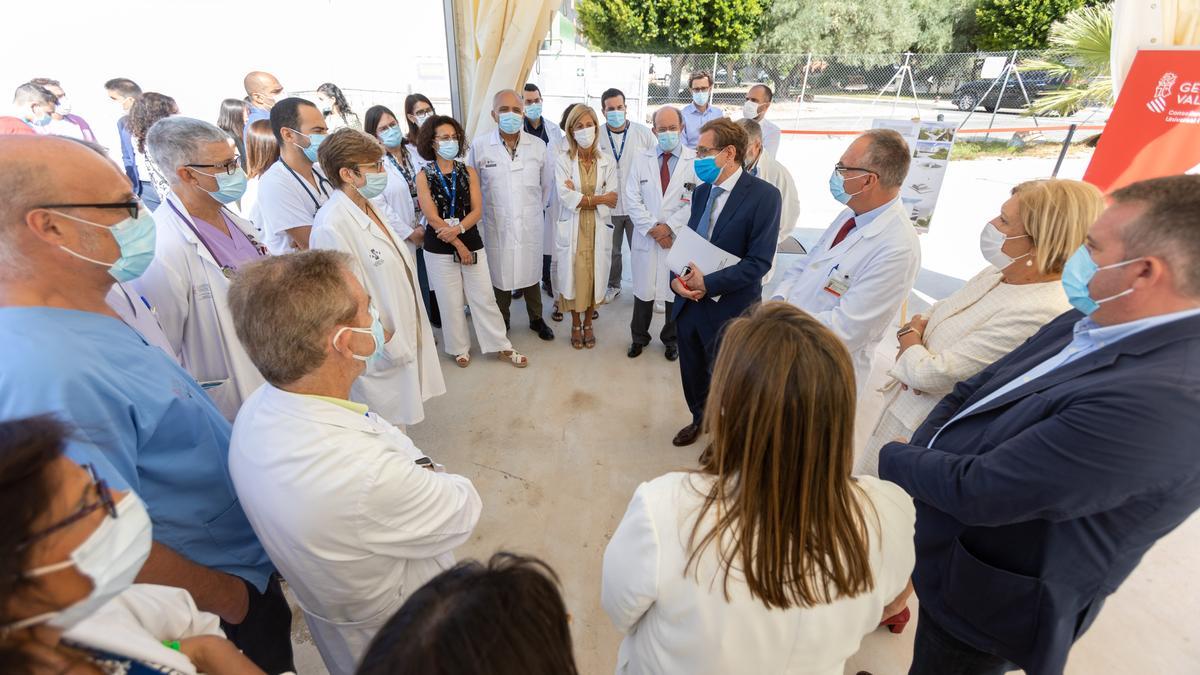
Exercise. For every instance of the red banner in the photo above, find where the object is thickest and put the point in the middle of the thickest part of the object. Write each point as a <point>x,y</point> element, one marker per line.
<point>1154,129</point>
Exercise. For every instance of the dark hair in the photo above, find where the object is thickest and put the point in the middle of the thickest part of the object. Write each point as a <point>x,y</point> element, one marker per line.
<point>1167,226</point>
<point>611,92</point>
<point>123,86</point>
<point>698,74</point>
<point>232,116</point>
<point>770,94</point>
<point>27,449</point>
<point>147,109</point>
<point>505,618</point>
<point>529,86</point>
<point>372,117</point>
<point>427,147</point>
<point>285,114</point>
<point>340,106</point>
<point>562,123</point>
<point>411,102</point>
<point>261,148</point>
<point>727,132</point>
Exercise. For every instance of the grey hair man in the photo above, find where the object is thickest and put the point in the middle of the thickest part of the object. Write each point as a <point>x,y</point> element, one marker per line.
<point>201,243</point>
<point>34,104</point>
<point>761,163</point>
<point>863,268</point>
<point>355,515</point>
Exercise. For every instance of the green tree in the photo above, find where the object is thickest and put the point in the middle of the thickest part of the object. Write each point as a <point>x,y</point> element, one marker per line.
<point>1080,46</point>
<point>1018,24</point>
<point>674,27</point>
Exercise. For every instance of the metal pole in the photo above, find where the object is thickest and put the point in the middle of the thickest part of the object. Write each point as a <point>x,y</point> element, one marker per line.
<point>804,86</point>
<point>1008,70</point>
<point>900,84</point>
<point>714,80</point>
<point>456,102</point>
<point>1062,154</point>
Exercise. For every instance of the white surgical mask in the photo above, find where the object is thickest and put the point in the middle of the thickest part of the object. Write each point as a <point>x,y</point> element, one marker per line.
<point>64,106</point>
<point>750,110</point>
<point>585,137</point>
<point>991,240</point>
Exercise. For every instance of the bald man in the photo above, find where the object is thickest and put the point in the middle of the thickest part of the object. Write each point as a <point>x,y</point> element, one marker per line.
<point>264,90</point>
<point>70,227</point>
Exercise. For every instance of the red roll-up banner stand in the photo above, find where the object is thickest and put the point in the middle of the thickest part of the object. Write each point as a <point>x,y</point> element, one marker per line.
<point>1154,129</point>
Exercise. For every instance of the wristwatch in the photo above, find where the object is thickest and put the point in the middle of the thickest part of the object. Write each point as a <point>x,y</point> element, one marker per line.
<point>905,331</point>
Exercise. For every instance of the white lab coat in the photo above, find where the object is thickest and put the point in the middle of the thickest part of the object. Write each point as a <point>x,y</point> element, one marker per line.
<point>638,140</point>
<point>878,262</point>
<point>408,373</point>
<point>566,230</point>
<point>190,294</point>
<point>556,145</point>
<point>399,199</point>
<point>647,205</point>
<point>348,518</point>
<point>771,135</point>
<point>514,206</point>
<point>777,174</point>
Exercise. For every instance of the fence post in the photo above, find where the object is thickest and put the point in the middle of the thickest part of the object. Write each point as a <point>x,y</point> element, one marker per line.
<point>1062,154</point>
<point>713,90</point>
<point>803,87</point>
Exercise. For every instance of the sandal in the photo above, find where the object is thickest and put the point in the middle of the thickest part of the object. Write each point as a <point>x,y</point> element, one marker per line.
<point>595,314</point>
<point>577,337</point>
<point>589,338</point>
<point>556,315</point>
<point>514,357</point>
<point>463,360</point>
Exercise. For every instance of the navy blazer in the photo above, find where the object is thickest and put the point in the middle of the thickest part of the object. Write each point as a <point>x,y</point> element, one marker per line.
<point>1037,505</point>
<point>748,227</point>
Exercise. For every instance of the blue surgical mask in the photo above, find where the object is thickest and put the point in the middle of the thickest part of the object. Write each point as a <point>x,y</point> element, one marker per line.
<point>510,122</point>
<point>1077,276</point>
<point>533,111</point>
<point>615,118</point>
<point>668,140</point>
<point>376,333</point>
<point>314,142</point>
<point>230,186</point>
<point>447,149</point>
<point>837,187</point>
<point>700,97</point>
<point>707,169</point>
<point>376,182</point>
<point>391,137</point>
<point>135,239</point>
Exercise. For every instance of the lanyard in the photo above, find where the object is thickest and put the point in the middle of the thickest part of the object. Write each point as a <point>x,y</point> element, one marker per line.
<point>624,137</point>
<point>226,268</point>
<point>452,189</point>
<point>320,184</point>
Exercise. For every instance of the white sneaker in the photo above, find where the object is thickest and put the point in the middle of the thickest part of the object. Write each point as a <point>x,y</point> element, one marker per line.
<point>660,307</point>
<point>611,294</point>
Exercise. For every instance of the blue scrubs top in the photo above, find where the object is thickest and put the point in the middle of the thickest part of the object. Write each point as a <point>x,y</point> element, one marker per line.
<point>141,420</point>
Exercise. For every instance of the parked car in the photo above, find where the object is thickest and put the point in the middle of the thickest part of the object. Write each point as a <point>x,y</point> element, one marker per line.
<point>1037,82</point>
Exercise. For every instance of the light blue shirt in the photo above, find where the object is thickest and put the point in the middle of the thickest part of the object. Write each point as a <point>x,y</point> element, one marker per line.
<point>141,420</point>
<point>670,162</point>
<point>693,119</point>
<point>1089,337</point>
<point>255,115</point>
<point>864,219</point>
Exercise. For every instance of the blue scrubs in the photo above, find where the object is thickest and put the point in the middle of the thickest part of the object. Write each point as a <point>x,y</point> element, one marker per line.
<point>141,420</point>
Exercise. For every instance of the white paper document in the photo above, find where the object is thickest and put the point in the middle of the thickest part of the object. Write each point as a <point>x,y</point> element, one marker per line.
<point>690,247</point>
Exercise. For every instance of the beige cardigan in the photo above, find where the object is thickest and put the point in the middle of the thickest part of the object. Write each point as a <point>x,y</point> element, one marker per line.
<point>978,324</point>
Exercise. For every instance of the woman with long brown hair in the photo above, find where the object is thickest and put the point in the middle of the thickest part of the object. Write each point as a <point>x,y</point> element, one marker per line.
<point>769,558</point>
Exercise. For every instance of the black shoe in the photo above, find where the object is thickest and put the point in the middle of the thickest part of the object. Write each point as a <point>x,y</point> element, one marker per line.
<point>672,353</point>
<point>635,350</point>
<point>543,331</point>
<point>548,288</point>
<point>507,326</point>
<point>686,435</point>
<point>517,294</point>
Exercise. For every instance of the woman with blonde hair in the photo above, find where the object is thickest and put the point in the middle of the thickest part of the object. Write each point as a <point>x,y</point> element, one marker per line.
<point>770,558</point>
<point>587,182</point>
<point>1026,246</point>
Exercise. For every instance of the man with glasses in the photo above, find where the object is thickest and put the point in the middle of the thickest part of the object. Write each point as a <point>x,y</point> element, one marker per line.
<point>291,191</point>
<point>863,268</point>
<point>69,226</point>
<point>700,111</point>
<point>200,245</point>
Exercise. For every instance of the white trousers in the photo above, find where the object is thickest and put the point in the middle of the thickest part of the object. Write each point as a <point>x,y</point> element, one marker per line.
<point>457,285</point>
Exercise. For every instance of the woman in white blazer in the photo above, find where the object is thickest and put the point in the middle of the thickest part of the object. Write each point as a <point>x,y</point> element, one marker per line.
<point>718,570</point>
<point>397,384</point>
<point>587,184</point>
<point>1026,246</point>
<point>200,244</point>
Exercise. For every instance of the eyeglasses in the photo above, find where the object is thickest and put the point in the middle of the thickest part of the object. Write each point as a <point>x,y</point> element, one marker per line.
<point>378,166</point>
<point>841,169</point>
<point>105,501</point>
<point>132,206</point>
<point>702,151</point>
<point>224,167</point>
<point>445,138</point>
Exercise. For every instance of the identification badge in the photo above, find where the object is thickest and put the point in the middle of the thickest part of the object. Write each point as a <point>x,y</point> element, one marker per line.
<point>489,164</point>
<point>452,222</point>
<point>838,286</point>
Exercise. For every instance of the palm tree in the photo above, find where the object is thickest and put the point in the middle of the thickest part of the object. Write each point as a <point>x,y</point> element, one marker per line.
<point>1080,46</point>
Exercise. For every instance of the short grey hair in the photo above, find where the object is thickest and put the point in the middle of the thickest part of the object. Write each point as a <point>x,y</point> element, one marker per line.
<point>1167,227</point>
<point>175,141</point>
<point>654,117</point>
<point>497,95</point>
<point>888,156</point>
<point>30,93</point>
<point>753,129</point>
<point>286,307</point>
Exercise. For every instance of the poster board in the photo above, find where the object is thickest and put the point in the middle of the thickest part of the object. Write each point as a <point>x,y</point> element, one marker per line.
<point>1154,129</point>
<point>931,144</point>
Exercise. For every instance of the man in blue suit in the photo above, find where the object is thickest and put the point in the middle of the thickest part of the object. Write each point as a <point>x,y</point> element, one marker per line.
<point>124,91</point>
<point>739,214</point>
<point>1042,481</point>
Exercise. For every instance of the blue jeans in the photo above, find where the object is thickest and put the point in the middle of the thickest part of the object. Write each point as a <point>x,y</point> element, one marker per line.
<point>936,652</point>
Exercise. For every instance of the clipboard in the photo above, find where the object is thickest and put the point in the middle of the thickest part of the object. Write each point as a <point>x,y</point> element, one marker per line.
<point>690,247</point>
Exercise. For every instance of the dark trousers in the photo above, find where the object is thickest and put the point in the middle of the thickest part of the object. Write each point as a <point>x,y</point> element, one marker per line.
<point>639,327</point>
<point>431,308</point>
<point>265,635</point>
<point>533,302</point>
<point>936,652</point>
<point>696,357</point>
<point>546,270</point>
<point>622,230</point>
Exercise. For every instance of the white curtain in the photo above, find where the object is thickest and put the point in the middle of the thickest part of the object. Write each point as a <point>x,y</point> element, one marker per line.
<point>1150,24</point>
<point>498,41</point>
